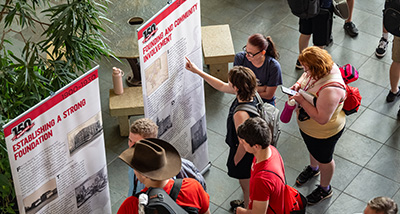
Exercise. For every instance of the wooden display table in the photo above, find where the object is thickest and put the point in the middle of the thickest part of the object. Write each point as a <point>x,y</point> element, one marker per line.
<point>126,104</point>
<point>218,49</point>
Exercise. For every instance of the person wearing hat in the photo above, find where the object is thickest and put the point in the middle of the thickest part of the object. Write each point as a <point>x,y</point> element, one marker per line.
<point>155,162</point>
<point>146,128</point>
<point>140,129</point>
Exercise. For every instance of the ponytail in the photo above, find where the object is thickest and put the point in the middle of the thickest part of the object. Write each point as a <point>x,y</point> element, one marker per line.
<point>271,50</point>
<point>264,43</point>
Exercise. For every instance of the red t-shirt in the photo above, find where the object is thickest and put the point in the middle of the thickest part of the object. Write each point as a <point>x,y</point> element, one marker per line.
<point>192,194</point>
<point>265,185</point>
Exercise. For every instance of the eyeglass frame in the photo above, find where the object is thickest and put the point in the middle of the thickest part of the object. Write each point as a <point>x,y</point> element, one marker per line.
<point>250,54</point>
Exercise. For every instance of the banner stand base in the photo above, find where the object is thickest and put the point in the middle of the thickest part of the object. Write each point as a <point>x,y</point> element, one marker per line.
<point>206,168</point>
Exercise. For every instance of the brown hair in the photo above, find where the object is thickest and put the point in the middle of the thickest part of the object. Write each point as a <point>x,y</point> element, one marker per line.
<point>383,204</point>
<point>244,80</point>
<point>255,131</point>
<point>145,128</point>
<point>264,43</point>
<point>318,61</point>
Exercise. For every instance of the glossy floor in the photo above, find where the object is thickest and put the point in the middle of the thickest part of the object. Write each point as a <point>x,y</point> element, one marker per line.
<point>368,154</point>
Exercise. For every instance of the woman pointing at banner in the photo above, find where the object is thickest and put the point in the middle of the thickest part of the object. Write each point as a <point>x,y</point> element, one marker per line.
<point>242,82</point>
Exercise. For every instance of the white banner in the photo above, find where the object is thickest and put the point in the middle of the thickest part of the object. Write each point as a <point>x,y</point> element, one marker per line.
<point>57,154</point>
<point>174,97</point>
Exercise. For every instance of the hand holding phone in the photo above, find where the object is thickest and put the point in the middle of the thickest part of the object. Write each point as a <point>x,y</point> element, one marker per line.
<point>288,91</point>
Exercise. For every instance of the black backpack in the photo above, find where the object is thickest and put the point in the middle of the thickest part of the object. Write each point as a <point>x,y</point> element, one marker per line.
<point>391,17</point>
<point>304,9</point>
<point>159,202</point>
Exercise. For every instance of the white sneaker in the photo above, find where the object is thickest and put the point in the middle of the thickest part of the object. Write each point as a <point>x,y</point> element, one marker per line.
<point>381,49</point>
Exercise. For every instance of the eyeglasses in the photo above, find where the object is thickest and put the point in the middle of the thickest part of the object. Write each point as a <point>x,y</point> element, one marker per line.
<point>250,54</point>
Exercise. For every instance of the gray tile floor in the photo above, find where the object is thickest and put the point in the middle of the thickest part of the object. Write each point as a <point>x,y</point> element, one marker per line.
<point>368,154</point>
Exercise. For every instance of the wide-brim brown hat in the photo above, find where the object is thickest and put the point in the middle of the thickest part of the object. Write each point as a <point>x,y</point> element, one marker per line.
<point>154,158</point>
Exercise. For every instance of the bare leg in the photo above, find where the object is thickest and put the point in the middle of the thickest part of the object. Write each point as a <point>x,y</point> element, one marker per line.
<point>245,185</point>
<point>326,169</point>
<point>350,3</point>
<point>394,76</point>
<point>303,42</point>
<point>313,163</point>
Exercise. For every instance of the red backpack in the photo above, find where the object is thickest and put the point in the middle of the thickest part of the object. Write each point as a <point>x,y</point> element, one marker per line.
<point>349,73</point>
<point>353,98</point>
<point>294,201</point>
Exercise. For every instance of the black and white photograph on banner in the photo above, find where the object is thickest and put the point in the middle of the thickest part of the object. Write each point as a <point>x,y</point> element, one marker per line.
<point>91,187</point>
<point>164,121</point>
<point>198,133</point>
<point>85,133</point>
<point>40,197</point>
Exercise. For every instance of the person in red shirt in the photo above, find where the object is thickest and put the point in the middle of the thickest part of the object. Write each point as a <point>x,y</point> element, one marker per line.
<point>155,162</point>
<point>266,188</point>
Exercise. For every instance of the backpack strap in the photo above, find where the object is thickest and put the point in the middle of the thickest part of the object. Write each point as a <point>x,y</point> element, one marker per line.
<point>336,85</point>
<point>284,183</point>
<point>176,188</point>
<point>250,108</point>
<point>135,183</point>
<point>274,174</point>
<point>259,99</point>
<point>332,84</point>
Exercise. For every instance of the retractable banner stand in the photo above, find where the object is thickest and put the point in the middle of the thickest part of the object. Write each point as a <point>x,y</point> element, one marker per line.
<point>57,154</point>
<point>174,97</point>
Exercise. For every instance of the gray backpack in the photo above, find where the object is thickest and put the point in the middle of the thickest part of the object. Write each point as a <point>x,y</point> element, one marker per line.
<point>189,170</point>
<point>267,112</point>
<point>159,202</point>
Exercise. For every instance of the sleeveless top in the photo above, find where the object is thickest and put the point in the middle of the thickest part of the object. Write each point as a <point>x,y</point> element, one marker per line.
<point>338,119</point>
<point>231,136</point>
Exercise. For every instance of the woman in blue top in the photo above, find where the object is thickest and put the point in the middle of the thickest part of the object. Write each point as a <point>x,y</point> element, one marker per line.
<point>261,57</point>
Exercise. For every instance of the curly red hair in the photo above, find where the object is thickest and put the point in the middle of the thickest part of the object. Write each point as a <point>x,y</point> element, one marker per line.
<point>318,61</point>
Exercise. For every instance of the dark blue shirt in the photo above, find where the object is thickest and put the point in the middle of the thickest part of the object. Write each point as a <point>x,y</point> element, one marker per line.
<point>269,74</point>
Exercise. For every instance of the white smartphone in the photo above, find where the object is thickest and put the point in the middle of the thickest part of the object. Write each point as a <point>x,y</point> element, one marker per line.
<point>288,91</point>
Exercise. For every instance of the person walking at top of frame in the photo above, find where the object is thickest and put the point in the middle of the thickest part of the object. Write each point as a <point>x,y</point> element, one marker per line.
<point>321,122</point>
<point>266,188</point>
<point>394,73</point>
<point>242,83</point>
<point>380,51</point>
<point>261,56</point>
<point>349,27</point>
<point>320,27</point>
